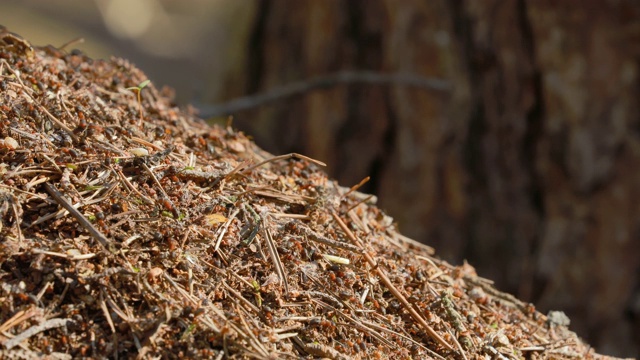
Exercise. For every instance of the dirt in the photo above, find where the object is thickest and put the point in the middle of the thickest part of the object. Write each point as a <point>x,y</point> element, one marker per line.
<point>130,228</point>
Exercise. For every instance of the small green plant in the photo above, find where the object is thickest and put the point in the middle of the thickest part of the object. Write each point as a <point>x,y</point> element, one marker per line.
<point>138,90</point>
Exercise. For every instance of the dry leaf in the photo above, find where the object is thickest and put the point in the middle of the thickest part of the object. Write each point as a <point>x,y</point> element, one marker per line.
<point>213,219</point>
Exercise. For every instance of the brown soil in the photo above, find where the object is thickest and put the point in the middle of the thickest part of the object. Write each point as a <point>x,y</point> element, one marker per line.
<point>130,228</point>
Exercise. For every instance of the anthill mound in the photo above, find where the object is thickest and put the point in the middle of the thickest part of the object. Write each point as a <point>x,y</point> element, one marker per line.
<point>130,228</point>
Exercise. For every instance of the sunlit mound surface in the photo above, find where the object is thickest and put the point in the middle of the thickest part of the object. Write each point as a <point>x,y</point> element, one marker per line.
<point>130,228</point>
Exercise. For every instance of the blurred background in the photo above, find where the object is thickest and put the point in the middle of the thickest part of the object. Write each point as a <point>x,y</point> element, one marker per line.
<point>527,166</point>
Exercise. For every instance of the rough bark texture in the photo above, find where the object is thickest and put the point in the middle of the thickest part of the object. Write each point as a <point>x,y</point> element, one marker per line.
<point>528,168</point>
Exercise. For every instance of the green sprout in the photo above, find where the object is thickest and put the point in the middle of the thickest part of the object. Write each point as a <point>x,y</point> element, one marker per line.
<point>256,292</point>
<point>138,89</point>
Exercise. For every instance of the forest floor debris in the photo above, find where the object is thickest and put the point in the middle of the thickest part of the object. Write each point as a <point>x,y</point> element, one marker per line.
<point>131,228</point>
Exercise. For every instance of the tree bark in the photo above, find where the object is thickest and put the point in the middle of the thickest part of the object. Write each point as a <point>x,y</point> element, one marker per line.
<point>527,167</point>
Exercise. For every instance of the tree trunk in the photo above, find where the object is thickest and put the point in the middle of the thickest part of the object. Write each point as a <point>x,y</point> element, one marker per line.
<point>527,167</point>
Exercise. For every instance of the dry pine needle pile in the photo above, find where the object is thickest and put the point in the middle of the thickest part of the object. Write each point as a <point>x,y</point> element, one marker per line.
<point>130,228</point>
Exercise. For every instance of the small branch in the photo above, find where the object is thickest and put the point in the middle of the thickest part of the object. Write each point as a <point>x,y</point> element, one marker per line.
<point>224,229</point>
<point>322,82</point>
<point>241,298</point>
<point>356,187</point>
<point>57,195</point>
<point>49,324</point>
<point>284,157</point>
<point>275,257</point>
<point>329,242</point>
<point>173,209</point>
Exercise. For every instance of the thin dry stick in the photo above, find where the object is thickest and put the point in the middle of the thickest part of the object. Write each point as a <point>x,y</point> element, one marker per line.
<point>131,187</point>
<point>416,316</point>
<point>105,310</point>
<point>239,296</point>
<point>228,175</point>
<point>18,221</point>
<point>291,216</point>
<point>253,340</point>
<point>49,324</point>
<point>273,253</point>
<point>360,202</point>
<point>182,292</point>
<point>57,195</point>
<point>458,345</point>
<point>78,40</point>
<point>284,157</point>
<point>356,186</point>
<point>407,338</point>
<point>366,329</point>
<point>326,81</point>
<point>327,241</point>
<point>116,309</point>
<point>174,211</point>
<point>224,229</point>
<point>155,180</point>
<point>41,197</point>
<point>16,319</point>
<point>66,256</point>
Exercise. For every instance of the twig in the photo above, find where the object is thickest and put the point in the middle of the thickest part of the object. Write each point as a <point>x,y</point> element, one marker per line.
<point>131,187</point>
<point>363,327</point>
<point>239,296</point>
<point>343,77</point>
<point>41,197</point>
<point>253,340</point>
<point>284,157</point>
<point>356,187</point>
<point>79,217</point>
<point>457,344</point>
<point>224,228</point>
<point>407,338</point>
<point>174,211</point>
<point>182,292</point>
<point>323,351</point>
<point>78,40</point>
<point>18,220</point>
<point>49,324</point>
<point>70,257</point>
<point>416,316</point>
<point>291,216</point>
<point>327,241</point>
<point>105,310</point>
<point>18,318</point>
<point>273,253</point>
<point>284,197</point>
<point>366,199</point>
<point>61,212</point>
